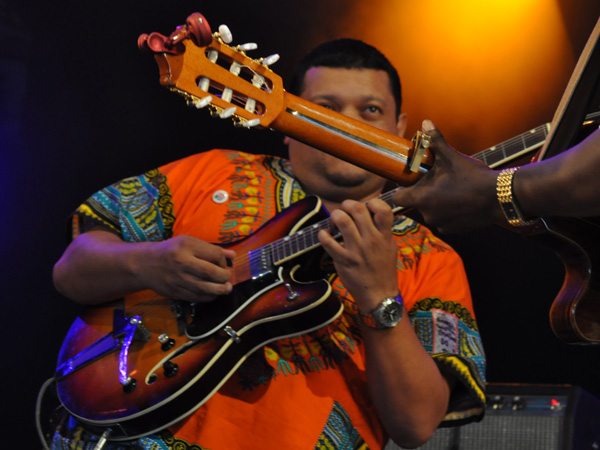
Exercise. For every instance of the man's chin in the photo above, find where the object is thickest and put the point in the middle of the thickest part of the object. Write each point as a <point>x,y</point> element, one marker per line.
<point>346,180</point>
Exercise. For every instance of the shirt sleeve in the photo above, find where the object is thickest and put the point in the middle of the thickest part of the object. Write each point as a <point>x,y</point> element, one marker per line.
<point>434,285</point>
<point>136,208</point>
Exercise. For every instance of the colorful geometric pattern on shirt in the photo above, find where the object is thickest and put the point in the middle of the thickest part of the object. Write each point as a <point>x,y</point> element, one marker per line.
<point>453,329</point>
<point>323,349</point>
<point>174,443</point>
<point>440,335</point>
<point>139,208</point>
<point>446,326</point>
<point>339,434</point>
<point>72,436</point>
<point>288,190</point>
<point>80,440</point>
<point>413,241</point>
<point>269,185</point>
<point>251,202</point>
<point>462,407</point>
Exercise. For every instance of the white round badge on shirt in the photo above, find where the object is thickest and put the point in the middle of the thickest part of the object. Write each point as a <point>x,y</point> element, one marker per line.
<point>220,196</point>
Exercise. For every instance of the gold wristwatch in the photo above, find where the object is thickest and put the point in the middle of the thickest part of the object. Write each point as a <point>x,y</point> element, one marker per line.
<point>507,200</point>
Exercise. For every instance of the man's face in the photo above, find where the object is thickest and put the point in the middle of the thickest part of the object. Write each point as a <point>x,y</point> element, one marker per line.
<point>363,94</point>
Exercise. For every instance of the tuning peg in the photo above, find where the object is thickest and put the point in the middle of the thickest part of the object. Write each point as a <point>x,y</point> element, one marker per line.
<point>200,103</point>
<point>199,29</point>
<point>225,34</point>
<point>251,123</point>
<point>269,60</point>
<point>227,113</point>
<point>247,47</point>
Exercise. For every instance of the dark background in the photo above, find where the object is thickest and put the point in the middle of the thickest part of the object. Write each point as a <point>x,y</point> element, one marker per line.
<point>81,107</point>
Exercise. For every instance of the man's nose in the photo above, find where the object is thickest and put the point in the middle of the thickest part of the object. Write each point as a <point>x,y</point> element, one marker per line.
<point>351,111</point>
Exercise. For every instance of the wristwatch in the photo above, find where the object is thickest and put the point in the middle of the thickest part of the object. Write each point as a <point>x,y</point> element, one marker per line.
<point>507,200</point>
<point>386,315</point>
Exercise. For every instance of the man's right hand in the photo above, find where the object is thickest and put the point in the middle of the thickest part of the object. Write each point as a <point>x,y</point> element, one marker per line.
<point>98,266</point>
<point>187,268</point>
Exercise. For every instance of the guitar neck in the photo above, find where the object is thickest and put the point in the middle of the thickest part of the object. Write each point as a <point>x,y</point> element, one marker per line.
<point>378,151</point>
<point>514,148</point>
<point>522,145</point>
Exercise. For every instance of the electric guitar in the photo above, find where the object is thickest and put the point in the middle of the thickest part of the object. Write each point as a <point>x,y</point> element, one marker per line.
<point>140,364</point>
<point>137,365</point>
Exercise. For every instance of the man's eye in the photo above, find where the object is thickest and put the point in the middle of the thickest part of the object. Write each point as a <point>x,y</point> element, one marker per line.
<point>373,109</point>
<point>327,105</point>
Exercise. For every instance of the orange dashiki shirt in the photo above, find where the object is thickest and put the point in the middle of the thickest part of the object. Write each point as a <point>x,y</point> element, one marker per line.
<point>307,391</point>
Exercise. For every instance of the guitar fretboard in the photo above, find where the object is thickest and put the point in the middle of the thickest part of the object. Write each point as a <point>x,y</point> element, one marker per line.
<point>515,147</point>
<point>307,238</point>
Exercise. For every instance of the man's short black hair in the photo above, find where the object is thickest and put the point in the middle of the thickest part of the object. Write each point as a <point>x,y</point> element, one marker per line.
<point>346,54</point>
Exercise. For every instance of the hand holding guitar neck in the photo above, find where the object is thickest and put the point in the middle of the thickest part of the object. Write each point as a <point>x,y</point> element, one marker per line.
<point>458,194</point>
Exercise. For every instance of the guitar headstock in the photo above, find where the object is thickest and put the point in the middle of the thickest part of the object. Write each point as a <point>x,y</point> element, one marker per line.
<point>209,72</point>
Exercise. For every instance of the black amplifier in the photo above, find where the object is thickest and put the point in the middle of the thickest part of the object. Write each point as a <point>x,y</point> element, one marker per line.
<point>527,417</point>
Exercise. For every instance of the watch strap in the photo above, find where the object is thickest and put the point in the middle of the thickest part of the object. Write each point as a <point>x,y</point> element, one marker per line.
<point>507,199</point>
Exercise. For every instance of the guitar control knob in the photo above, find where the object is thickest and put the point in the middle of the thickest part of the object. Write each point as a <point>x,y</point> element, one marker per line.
<point>167,342</point>
<point>171,369</point>
<point>130,385</point>
<point>168,345</point>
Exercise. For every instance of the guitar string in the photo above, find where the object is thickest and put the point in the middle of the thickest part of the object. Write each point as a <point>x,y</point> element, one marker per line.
<point>518,142</point>
<point>535,132</point>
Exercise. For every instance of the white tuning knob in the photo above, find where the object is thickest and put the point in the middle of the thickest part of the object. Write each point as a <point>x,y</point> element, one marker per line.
<point>226,113</point>
<point>270,59</point>
<point>247,47</point>
<point>252,123</point>
<point>225,34</point>
<point>203,102</point>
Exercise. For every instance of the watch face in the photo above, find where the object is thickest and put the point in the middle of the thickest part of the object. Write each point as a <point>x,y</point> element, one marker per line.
<point>390,314</point>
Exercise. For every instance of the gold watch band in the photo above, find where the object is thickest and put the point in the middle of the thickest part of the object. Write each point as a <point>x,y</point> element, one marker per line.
<point>507,200</point>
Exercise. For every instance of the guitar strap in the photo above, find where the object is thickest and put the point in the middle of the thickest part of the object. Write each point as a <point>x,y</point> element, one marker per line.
<point>576,100</point>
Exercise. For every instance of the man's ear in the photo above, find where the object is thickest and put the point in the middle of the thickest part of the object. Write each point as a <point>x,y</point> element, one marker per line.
<point>401,124</point>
